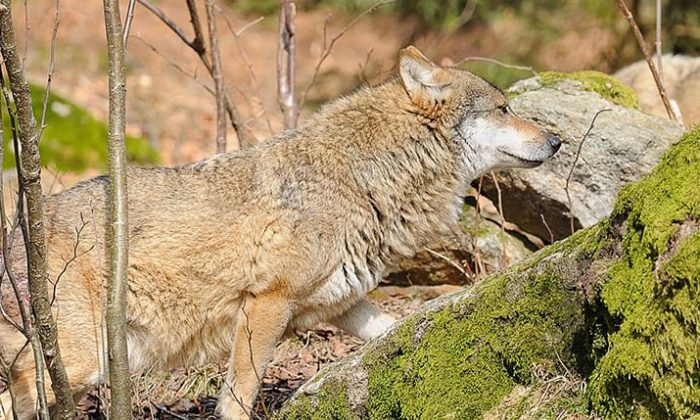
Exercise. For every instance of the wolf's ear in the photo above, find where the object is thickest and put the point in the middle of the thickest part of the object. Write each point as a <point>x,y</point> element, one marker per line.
<point>424,80</point>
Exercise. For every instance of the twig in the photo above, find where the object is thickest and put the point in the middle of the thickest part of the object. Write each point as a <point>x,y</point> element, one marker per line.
<point>449,261</point>
<point>175,65</point>
<point>328,45</point>
<point>218,77</point>
<point>551,235</point>
<point>167,21</point>
<point>658,39</point>
<point>502,221</point>
<point>479,268</point>
<point>364,78</point>
<point>128,22</point>
<point>75,256</point>
<point>245,136</point>
<point>573,165</point>
<point>49,72</point>
<point>249,333</point>
<point>643,46</point>
<point>253,78</point>
<point>286,64</point>
<point>497,62</point>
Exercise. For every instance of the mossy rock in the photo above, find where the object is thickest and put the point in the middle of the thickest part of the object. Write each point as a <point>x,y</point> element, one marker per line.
<point>73,140</point>
<point>615,307</point>
<point>594,81</point>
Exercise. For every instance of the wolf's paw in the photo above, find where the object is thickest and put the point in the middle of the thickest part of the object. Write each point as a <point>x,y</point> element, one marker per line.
<point>228,407</point>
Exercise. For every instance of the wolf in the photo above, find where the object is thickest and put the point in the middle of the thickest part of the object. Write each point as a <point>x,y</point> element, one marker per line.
<point>229,253</point>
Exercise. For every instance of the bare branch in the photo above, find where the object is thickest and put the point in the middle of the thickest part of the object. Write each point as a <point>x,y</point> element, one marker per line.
<point>198,41</point>
<point>168,22</point>
<point>253,78</point>
<point>546,225</point>
<point>643,46</point>
<point>658,40</point>
<point>175,65</point>
<point>49,72</point>
<point>127,23</point>
<point>286,64</point>
<point>573,165</point>
<point>499,63</point>
<point>217,75</point>
<point>328,45</point>
<point>502,218</point>
<point>245,136</point>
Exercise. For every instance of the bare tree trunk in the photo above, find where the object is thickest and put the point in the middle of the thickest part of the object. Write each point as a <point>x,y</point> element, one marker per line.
<point>30,175</point>
<point>116,301</point>
<point>286,65</point>
<point>218,76</point>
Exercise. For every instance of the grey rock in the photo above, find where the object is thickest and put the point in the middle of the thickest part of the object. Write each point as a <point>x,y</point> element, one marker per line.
<point>623,145</point>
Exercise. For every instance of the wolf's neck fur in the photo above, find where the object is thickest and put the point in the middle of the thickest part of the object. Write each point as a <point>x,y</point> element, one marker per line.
<point>411,176</point>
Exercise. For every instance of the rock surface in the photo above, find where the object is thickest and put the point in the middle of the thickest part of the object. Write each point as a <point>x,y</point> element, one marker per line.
<point>623,146</point>
<point>681,81</point>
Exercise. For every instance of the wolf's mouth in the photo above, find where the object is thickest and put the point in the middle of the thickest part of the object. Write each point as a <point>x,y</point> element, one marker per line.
<point>528,162</point>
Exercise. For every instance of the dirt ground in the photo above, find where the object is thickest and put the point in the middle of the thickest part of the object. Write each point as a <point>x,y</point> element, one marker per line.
<point>169,105</point>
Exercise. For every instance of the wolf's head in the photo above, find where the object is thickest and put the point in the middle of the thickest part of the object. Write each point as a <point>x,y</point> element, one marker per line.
<point>474,114</point>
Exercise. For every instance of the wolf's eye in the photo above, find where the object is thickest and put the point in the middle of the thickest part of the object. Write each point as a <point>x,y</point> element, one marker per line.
<point>503,109</point>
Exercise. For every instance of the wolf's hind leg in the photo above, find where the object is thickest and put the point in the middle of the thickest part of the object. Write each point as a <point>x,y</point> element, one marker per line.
<point>364,320</point>
<point>261,322</point>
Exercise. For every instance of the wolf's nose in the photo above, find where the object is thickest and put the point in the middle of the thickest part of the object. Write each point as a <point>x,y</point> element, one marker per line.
<point>554,141</point>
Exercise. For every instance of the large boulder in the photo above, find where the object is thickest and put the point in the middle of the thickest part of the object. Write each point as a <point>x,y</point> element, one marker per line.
<point>622,146</point>
<point>681,78</point>
<point>603,324</point>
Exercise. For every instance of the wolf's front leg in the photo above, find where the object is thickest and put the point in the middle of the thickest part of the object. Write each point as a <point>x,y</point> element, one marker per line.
<point>364,320</point>
<point>261,322</point>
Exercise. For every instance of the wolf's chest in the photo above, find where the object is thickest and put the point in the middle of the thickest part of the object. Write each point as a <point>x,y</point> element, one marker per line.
<point>347,282</point>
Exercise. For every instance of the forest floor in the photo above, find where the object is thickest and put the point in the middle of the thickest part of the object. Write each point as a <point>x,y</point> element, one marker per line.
<point>192,393</point>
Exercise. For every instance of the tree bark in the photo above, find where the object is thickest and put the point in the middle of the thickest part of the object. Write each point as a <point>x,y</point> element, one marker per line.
<point>119,226</point>
<point>30,175</point>
<point>286,64</point>
<point>602,324</point>
<point>218,76</point>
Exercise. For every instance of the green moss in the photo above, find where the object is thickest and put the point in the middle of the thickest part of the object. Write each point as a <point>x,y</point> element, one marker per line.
<point>332,404</point>
<point>606,86</point>
<point>463,360</point>
<point>652,366</point>
<point>73,140</point>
